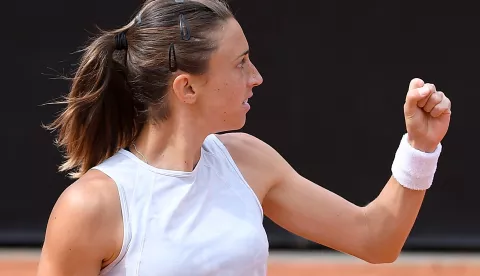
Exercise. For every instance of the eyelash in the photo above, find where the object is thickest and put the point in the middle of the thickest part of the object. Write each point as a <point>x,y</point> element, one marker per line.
<point>242,63</point>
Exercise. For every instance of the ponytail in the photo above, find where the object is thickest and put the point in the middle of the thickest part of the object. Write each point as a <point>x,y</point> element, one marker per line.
<point>116,91</point>
<point>99,118</point>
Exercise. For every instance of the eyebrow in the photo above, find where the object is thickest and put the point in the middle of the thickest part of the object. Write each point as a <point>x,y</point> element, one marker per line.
<point>244,53</point>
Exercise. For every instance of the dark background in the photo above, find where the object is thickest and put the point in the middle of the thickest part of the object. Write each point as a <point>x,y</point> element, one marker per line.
<point>335,78</point>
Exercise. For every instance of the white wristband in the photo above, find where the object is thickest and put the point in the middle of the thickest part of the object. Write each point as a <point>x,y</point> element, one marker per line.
<point>414,169</point>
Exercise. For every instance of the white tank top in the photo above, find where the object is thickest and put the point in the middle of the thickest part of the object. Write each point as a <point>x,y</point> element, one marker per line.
<point>201,223</point>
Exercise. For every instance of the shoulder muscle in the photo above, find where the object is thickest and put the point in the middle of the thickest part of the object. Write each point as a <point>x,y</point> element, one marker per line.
<point>81,226</point>
<point>259,160</point>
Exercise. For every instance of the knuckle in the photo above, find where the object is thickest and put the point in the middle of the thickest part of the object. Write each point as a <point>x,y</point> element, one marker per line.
<point>437,110</point>
<point>447,100</point>
<point>438,97</point>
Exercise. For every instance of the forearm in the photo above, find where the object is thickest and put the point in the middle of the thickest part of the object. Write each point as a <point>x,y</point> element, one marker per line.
<point>390,218</point>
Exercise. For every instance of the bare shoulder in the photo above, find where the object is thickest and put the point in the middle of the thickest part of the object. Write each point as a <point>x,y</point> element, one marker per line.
<point>261,165</point>
<point>242,141</point>
<point>243,146</point>
<point>84,229</point>
<point>90,198</point>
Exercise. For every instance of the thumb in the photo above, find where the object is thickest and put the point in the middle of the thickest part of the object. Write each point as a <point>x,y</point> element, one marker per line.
<point>417,91</point>
<point>416,83</point>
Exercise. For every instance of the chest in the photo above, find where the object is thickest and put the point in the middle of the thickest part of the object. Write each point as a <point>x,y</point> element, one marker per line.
<point>208,226</point>
<point>224,247</point>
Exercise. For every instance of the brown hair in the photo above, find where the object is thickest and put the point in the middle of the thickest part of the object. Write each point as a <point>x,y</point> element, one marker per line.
<point>116,90</point>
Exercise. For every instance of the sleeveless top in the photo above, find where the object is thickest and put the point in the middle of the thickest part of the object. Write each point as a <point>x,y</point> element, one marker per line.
<point>201,223</point>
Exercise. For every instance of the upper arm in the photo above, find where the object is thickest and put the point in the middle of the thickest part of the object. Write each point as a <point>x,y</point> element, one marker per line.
<point>297,204</point>
<point>81,231</point>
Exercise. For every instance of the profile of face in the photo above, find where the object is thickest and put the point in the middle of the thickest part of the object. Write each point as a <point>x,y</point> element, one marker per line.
<point>219,98</point>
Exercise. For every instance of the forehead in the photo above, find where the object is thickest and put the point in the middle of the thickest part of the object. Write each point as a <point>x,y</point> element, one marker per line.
<point>231,42</point>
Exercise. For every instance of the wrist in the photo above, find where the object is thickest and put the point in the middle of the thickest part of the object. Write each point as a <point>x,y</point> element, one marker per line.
<point>414,168</point>
<point>424,147</point>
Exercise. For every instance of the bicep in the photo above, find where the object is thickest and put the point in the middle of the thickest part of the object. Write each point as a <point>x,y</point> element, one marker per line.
<point>319,215</point>
<point>73,242</point>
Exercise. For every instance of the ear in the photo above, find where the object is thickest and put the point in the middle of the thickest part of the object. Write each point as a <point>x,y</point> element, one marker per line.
<point>183,89</point>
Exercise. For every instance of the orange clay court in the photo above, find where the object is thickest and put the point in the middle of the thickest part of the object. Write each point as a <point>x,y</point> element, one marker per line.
<point>23,263</point>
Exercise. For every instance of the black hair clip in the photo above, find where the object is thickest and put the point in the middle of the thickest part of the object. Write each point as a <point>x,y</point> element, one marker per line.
<point>121,42</point>
<point>172,59</point>
<point>184,29</point>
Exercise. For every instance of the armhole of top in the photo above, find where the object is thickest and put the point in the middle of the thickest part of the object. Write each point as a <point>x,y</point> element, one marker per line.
<point>127,234</point>
<point>232,163</point>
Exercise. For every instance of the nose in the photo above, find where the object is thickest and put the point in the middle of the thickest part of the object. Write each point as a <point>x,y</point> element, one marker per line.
<point>255,78</point>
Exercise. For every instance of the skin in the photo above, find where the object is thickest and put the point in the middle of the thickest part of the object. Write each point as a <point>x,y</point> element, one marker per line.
<point>84,232</point>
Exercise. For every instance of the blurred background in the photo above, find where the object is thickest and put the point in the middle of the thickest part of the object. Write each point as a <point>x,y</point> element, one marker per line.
<point>335,78</point>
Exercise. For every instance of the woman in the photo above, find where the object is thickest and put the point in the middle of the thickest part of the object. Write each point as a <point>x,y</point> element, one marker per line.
<point>159,193</point>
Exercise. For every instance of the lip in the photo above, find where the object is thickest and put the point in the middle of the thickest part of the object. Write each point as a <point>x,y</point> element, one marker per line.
<point>247,105</point>
<point>251,95</point>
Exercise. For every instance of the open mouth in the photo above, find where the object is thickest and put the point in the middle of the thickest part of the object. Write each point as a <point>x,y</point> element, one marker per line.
<point>245,102</point>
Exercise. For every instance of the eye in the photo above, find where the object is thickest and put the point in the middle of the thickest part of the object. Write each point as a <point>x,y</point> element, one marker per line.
<point>242,62</point>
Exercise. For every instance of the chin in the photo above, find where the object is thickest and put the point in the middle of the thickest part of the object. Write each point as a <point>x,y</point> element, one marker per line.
<point>233,125</point>
<point>241,122</point>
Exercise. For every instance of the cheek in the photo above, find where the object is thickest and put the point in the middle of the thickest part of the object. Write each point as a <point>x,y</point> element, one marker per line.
<point>227,95</point>
<point>233,94</point>
<point>219,101</point>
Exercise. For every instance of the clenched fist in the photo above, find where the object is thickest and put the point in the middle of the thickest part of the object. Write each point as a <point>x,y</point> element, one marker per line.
<point>427,115</point>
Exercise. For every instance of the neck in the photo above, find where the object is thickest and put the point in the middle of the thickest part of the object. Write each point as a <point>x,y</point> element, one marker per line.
<point>170,145</point>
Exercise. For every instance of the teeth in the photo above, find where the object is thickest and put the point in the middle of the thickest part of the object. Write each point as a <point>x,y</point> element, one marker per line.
<point>246,101</point>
